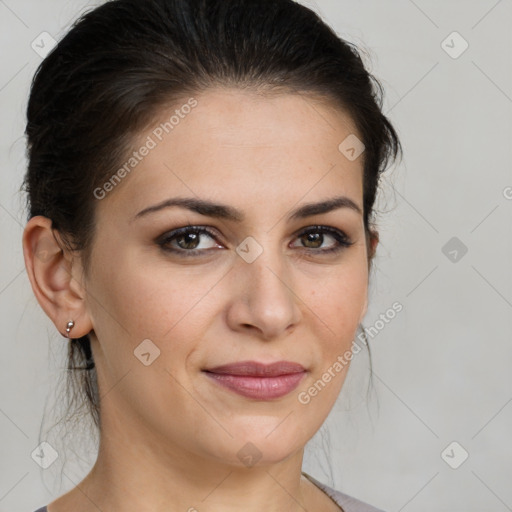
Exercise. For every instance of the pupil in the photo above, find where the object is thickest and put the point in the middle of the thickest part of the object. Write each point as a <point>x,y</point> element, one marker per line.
<point>312,237</point>
<point>191,236</point>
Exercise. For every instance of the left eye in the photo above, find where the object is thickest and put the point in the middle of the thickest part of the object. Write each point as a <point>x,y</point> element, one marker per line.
<point>316,237</point>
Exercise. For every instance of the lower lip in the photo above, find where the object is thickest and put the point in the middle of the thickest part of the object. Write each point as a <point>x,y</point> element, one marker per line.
<point>259,388</point>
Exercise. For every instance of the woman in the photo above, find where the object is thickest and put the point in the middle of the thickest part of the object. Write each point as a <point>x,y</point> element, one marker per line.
<point>200,185</point>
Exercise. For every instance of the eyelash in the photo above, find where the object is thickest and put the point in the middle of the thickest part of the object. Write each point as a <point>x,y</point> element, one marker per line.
<point>163,241</point>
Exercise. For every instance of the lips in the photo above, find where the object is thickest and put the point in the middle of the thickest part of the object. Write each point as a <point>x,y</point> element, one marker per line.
<point>253,368</point>
<point>256,380</point>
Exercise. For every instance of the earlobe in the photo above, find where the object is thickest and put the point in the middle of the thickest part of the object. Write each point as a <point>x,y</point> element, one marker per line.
<point>51,269</point>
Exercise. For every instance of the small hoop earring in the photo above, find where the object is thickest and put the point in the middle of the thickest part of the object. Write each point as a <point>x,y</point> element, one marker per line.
<point>69,326</point>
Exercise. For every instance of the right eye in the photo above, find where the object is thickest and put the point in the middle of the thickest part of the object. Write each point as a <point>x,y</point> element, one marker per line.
<point>185,241</point>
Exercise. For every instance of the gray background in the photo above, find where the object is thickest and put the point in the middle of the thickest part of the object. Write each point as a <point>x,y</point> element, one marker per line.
<point>442,365</point>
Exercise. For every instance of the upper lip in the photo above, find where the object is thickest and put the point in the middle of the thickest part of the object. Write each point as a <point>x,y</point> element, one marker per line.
<point>257,369</point>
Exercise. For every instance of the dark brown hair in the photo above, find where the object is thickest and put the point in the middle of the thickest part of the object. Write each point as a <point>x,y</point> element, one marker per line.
<point>123,62</point>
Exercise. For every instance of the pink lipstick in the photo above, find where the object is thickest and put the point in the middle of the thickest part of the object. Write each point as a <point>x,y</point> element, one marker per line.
<point>258,380</point>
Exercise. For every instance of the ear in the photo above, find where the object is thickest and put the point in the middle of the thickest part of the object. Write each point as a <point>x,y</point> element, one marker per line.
<point>55,274</point>
<point>372,242</point>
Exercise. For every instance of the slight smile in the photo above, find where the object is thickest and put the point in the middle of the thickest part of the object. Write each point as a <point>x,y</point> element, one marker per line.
<point>258,380</point>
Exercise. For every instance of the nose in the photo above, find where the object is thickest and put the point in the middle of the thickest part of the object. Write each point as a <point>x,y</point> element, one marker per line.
<point>263,300</point>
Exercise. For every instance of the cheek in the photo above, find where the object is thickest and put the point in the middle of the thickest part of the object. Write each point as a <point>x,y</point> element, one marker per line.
<point>337,304</point>
<point>339,300</point>
<point>142,300</point>
<point>171,307</point>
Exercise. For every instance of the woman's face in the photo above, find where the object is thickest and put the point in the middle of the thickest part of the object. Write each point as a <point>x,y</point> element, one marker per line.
<point>248,281</point>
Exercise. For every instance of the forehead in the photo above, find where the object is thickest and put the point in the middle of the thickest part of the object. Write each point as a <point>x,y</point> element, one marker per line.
<point>239,144</point>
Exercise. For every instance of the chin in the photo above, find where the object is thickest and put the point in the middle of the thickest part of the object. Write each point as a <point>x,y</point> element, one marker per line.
<point>260,445</point>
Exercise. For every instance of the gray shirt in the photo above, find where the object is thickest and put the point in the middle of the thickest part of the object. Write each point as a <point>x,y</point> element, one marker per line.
<point>346,502</point>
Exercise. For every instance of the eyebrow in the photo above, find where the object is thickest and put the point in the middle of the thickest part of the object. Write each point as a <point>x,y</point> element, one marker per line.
<point>222,211</point>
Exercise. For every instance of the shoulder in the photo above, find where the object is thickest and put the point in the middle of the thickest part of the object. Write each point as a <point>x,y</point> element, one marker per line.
<point>346,502</point>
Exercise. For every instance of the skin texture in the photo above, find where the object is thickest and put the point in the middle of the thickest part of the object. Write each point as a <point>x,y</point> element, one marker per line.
<point>169,434</point>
